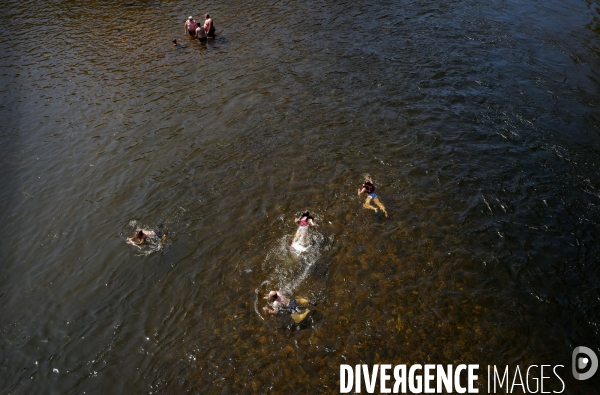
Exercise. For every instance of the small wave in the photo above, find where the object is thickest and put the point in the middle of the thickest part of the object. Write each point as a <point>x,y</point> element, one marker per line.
<point>257,297</point>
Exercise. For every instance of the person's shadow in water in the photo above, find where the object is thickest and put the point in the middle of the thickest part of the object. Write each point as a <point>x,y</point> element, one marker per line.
<point>217,41</point>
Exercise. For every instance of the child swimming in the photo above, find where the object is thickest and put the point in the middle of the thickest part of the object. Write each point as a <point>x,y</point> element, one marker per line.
<point>369,189</point>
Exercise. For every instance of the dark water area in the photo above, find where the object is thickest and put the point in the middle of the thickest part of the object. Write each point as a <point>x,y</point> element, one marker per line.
<point>478,121</point>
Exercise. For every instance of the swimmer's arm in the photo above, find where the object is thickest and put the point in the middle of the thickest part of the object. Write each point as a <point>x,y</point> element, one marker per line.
<point>138,243</point>
<point>270,311</point>
<point>311,222</point>
<point>363,190</point>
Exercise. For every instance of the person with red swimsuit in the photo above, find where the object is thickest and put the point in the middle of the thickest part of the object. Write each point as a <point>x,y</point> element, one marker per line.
<point>304,221</point>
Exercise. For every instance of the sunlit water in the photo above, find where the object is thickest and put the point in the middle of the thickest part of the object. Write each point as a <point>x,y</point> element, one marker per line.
<point>477,120</point>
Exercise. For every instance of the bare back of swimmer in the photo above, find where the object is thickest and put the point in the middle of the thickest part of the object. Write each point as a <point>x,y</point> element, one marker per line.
<point>200,33</point>
<point>142,235</point>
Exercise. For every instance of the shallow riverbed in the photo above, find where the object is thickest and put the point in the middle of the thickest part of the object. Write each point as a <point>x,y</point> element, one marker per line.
<point>478,121</point>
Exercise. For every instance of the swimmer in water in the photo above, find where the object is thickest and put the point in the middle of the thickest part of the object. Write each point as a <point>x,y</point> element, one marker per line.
<point>142,234</point>
<point>190,26</point>
<point>369,189</point>
<point>283,304</point>
<point>201,34</point>
<point>175,43</point>
<point>209,27</point>
<point>303,222</point>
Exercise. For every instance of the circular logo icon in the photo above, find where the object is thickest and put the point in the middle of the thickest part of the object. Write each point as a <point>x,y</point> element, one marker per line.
<point>580,362</point>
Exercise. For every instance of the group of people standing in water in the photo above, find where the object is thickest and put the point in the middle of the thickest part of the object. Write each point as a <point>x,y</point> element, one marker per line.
<point>298,307</point>
<point>196,30</point>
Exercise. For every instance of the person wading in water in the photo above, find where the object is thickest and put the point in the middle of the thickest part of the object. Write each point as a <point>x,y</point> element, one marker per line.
<point>209,27</point>
<point>190,26</point>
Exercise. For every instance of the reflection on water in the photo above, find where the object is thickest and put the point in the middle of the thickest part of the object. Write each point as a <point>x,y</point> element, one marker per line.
<point>477,121</point>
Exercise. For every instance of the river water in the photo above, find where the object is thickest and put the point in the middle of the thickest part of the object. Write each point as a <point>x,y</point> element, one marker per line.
<point>478,121</point>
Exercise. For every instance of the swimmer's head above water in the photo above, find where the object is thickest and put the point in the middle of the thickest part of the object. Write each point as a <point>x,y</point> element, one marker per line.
<point>273,296</point>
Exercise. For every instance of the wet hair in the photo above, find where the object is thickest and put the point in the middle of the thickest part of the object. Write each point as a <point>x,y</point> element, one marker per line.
<point>207,16</point>
<point>306,214</point>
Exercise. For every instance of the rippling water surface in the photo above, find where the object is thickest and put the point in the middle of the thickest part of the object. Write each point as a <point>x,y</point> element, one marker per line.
<point>479,122</point>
